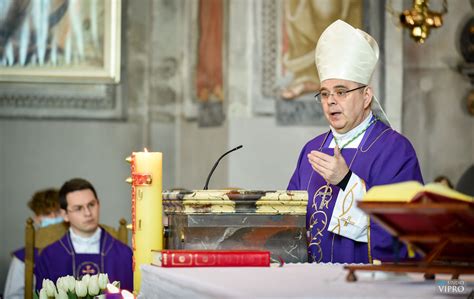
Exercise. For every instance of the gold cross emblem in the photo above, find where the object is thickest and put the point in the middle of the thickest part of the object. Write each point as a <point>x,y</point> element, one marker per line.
<point>347,221</point>
<point>88,270</point>
<point>324,192</point>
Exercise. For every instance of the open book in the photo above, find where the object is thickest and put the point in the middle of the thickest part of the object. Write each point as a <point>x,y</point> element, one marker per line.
<point>435,220</point>
<point>413,191</point>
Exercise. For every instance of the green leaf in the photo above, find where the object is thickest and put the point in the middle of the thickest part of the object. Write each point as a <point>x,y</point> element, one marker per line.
<point>71,295</point>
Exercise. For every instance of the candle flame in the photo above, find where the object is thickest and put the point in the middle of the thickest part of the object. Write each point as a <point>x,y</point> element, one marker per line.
<point>127,295</point>
<point>145,149</point>
<point>112,289</point>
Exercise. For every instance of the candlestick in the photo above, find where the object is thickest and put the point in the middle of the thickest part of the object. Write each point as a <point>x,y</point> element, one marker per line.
<point>147,207</point>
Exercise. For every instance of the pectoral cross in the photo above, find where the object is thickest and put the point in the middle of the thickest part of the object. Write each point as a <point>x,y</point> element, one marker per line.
<point>347,221</point>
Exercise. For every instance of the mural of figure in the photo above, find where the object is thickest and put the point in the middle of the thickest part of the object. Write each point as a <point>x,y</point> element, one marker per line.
<point>209,67</point>
<point>304,21</point>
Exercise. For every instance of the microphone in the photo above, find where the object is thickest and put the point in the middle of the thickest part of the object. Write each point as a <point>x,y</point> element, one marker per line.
<point>215,165</point>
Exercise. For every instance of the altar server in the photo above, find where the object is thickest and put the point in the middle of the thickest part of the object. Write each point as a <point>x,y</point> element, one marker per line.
<point>86,248</point>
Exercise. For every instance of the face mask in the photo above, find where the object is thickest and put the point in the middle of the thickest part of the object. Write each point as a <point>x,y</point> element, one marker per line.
<point>49,221</point>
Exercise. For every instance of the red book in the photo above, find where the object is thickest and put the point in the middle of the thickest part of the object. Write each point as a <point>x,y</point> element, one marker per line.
<point>211,258</point>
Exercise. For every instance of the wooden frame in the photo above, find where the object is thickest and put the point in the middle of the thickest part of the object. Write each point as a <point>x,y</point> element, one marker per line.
<point>81,43</point>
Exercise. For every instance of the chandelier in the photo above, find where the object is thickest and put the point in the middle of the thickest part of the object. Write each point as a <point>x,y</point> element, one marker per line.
<point>419,19</point>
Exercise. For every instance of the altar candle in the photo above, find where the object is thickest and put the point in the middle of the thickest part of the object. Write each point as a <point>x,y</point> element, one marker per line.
<point>147,207</point>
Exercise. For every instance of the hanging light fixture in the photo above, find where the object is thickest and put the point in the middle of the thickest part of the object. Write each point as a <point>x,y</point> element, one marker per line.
<point>419,19</point>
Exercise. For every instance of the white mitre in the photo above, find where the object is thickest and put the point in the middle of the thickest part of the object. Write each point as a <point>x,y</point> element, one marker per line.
<point>344,52</point>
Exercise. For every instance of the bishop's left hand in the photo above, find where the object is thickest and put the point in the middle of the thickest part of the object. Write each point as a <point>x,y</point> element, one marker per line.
<point>332,168</point>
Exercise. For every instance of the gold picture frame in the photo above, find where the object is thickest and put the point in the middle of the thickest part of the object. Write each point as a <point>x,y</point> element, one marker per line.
<point>78,41</point>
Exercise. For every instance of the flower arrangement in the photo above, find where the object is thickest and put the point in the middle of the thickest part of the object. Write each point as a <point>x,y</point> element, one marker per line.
<point>67,287</point>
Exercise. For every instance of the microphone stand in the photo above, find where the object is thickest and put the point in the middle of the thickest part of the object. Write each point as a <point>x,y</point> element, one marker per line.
<point>215,165</point>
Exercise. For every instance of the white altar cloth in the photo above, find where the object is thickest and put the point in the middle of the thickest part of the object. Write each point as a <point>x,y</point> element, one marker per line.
<point>289,281</point>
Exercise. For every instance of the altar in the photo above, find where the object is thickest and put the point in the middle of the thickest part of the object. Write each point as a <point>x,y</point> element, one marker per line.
<point>238,220</point>
<point>290,281</point>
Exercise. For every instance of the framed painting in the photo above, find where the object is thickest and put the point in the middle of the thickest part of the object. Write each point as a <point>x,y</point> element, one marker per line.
<point>60,41</point>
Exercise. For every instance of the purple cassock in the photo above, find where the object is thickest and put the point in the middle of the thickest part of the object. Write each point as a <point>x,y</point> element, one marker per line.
<point>59,259</point>
<point>383,157</point>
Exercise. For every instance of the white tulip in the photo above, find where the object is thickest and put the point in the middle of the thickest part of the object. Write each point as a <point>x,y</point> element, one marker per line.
<point>103,280</point>
<point>61,294</point>
<point>50,288</point>
<point>94,277</point>
<point>127,295</point>
<point>70,283</point>
<point>93,286</point>
<point>61,284</point>
<point>112,289</point>
<point>81,288</point>
<point>116,284</point>
<point>42,294</point>
<point>86,278</point>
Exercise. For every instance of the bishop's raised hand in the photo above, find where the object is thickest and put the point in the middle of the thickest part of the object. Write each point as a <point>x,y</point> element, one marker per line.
<point>332,168</point>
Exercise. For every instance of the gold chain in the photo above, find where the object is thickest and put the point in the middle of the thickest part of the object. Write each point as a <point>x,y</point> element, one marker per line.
<point>356,136</point>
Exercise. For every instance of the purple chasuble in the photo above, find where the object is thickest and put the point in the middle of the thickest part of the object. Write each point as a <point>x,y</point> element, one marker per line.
<point>60,259</point>
<point>383,157</point>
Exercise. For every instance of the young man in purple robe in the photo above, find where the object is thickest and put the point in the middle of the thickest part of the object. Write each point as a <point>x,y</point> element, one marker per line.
<point>358,152</point>
<point>86,248</point>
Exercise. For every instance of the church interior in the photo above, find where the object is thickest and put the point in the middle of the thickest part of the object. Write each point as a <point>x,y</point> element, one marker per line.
<point>194,79</point>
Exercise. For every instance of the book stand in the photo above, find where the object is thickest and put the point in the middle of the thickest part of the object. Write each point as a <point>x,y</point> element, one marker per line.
<point>438,228</point>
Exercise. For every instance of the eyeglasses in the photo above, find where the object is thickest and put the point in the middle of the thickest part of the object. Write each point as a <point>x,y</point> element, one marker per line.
<point>81,209</point>
<point>339,94</point>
